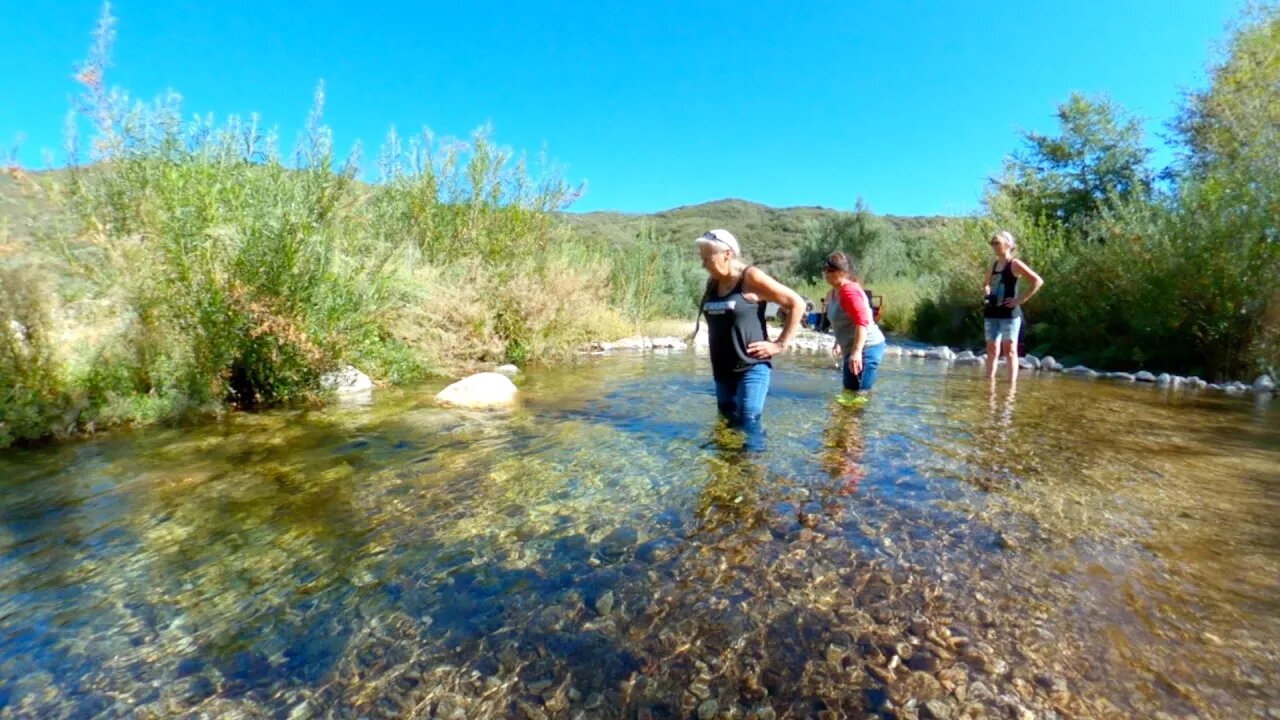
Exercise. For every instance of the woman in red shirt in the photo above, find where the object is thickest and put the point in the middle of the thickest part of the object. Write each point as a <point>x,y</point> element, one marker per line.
<point>857,337</point>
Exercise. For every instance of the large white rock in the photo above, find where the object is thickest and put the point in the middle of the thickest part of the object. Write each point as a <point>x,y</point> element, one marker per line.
<point>347,381</point>
<point>1049,364</point>
<point>1164,380</point>
<point>482,390</point>
<point>941,352</point>
<point>1144,376</point>
<point>1264,383</point>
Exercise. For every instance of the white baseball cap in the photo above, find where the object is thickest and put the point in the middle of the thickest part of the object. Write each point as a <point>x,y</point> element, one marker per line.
<point>720,237</point>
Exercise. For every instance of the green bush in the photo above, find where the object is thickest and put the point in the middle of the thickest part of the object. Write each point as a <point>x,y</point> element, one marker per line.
<point>654,277</point>
<point>32,395</point>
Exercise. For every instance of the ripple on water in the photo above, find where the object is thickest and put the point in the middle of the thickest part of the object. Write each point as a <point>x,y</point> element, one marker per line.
<point>1073,547</point>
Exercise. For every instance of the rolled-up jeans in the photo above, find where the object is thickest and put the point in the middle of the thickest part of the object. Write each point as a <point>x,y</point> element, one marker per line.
<point>871,355</point>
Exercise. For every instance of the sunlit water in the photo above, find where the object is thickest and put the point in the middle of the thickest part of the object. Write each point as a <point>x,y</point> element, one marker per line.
<point>1074,549</point>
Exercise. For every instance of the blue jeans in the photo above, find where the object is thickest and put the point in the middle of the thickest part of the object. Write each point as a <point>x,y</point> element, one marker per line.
<point>871,356</point>
<point>741,397</point>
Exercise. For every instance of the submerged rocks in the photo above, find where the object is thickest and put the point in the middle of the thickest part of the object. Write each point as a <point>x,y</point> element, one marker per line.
<point>482,390</point>
<point>618,542</point>
<point>657,550</point>
<point>508,370</point>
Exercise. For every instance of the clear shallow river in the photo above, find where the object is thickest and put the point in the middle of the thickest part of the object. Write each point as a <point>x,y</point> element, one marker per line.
<point>1075,549</point>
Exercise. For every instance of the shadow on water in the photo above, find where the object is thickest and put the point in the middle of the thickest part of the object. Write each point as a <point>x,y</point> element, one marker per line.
<point>609,549</point>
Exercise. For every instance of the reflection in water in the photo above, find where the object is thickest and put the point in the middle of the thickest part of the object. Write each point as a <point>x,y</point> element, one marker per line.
<point>844,447</point>
<point>735,478</point>
<point>949,548</point>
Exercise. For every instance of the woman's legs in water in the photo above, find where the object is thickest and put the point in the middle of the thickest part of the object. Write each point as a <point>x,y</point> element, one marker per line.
<point>741,402</point>
<point>992,330</point>
<point>1010,346</point>
<point>1009,351</point>
<point>847,378</point>
<point>727,398</point>
<point>871,357</point>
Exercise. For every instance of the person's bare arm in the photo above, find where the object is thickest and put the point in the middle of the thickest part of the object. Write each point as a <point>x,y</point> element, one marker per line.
<point>770,290</point>
<point>1023,270</point>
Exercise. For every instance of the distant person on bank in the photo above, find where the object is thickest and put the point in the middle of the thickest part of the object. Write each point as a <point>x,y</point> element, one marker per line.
<point>1002,306</point>
<point>734,305</point>
<point>857,337</point>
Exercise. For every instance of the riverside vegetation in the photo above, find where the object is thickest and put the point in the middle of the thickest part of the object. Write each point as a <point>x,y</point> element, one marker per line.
<point>191,266</point>
<point>177,267</point>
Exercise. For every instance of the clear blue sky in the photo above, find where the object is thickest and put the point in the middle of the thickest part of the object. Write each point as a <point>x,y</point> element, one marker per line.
<point>654,104</point>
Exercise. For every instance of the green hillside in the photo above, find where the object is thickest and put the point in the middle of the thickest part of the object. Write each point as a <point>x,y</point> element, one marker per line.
<point>769,236</point>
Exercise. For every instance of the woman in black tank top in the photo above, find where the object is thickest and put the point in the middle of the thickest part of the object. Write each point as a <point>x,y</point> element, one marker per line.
<point>734,303</point>
<point>1002,305</point>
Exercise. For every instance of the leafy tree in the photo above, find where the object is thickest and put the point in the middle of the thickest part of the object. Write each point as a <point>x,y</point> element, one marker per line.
<point>1234,122</point>
<point>1098,154</point>
<point>853,233</point>
<point>1229,193</point>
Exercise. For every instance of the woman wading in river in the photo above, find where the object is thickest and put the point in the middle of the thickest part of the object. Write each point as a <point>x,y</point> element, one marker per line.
<point>734,305</point>
<point>857,337</point>
<point>1002,306</point>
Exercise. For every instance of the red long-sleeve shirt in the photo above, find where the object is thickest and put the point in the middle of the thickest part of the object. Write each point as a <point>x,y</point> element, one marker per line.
<point>853,301</point>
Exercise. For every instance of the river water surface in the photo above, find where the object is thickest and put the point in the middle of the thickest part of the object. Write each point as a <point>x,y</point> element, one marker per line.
<point>1072,549</point>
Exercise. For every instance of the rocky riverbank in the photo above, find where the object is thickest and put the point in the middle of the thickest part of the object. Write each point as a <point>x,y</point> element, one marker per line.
<point>810,342</point>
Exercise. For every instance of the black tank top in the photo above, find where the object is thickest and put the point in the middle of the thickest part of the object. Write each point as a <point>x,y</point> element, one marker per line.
<point>733,323</point>
<point>1004,285</point>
